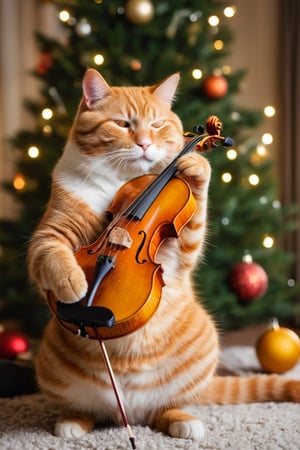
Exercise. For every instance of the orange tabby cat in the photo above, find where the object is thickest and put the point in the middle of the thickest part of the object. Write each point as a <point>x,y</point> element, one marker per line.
<point>120,133</point>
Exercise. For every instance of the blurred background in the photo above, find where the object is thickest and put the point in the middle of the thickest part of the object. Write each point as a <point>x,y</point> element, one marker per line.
<point>238,60</point>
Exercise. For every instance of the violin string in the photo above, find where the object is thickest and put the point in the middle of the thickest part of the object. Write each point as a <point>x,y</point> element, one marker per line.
<point>168,170</point>
<point>115,388</point>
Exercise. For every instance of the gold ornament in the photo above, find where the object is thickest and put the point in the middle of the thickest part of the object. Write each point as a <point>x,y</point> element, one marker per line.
<point>139,12</point>
<point>278,349</point>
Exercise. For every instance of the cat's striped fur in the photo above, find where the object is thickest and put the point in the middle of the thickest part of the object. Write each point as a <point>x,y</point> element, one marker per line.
<point>120,133</point>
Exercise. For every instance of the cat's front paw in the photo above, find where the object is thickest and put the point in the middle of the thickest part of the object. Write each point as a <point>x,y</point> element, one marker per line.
<point>74,287</point>
<point>195,169</point>
<point>191,429</point>
<point>67,286</point>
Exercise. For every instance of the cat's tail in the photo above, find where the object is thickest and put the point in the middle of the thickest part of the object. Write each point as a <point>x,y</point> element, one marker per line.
<point>257,388</point>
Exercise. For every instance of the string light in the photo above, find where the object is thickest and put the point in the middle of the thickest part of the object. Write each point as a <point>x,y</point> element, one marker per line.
<point>218,44</point>
<point>261,150</point>
<point>47,129</point>
<point>267,138</point>
<point>19,182</point>
<point>225,221</point>
<point>276,204</point>
<point>259,154</point>
<point>229,11</point>
<point>47,113</point>
<point>231,154</point>
<point>268,241</point>
<point>213,21</point>
<point>64,15</point>
<point>235,115</point>
<point>121,10</point>
<point>263,200</point>
<point>83,27</point>
<point>291,282</point>
<point>197,74</point>
<point>226,69</point>
<point>99,59</point>
<point>195,16</point>
<point>253,179</point>
<point>33,152</point>
<point>226,177</point>
<point>269,111</point>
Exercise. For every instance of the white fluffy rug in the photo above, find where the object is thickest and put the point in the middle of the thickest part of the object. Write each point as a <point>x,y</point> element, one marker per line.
<point>26,423</point>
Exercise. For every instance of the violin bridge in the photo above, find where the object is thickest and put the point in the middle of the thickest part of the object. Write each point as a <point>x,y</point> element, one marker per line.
<point>119,236</point>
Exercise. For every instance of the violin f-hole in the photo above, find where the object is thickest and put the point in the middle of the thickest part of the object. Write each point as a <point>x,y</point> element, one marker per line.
<point>140,248</point>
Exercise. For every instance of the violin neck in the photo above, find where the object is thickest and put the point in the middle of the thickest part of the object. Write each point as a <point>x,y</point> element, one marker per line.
<point>143,202</point>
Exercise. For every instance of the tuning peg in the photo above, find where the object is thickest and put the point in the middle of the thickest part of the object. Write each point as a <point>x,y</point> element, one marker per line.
<point>228,142</point>
<point>199,129</point>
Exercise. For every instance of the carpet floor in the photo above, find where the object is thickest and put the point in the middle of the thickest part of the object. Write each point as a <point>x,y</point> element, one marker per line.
<point>26,422</point>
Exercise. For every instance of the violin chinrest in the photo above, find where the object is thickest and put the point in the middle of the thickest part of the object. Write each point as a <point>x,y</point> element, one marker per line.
<point>88,316</point>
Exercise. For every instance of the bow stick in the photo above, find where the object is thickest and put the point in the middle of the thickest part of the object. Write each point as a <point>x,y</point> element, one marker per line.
<point>115,388</point>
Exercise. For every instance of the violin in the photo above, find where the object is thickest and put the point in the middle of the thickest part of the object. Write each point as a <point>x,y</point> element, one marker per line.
<point>142,217</point>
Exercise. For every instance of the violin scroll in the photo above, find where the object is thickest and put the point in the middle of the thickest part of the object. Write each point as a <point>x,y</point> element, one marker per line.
<point>213,127</point>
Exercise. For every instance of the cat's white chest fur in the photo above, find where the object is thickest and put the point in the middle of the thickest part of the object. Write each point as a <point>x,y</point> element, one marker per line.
<point>87,178</point>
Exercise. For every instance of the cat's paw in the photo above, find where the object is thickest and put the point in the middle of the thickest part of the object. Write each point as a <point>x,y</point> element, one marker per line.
<point>72,288</point>
<point>191,429</point>
<point>67,286</point>
<point>69,430</point>
<point>194,168</point>
<point>73,427</point>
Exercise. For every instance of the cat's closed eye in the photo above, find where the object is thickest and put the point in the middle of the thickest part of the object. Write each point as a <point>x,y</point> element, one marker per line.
<point>122,123</point>
<point>158,124</point>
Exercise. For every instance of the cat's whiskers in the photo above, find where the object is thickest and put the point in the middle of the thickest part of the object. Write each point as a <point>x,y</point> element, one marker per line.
<point>121,159</point>
<point>116,159</point>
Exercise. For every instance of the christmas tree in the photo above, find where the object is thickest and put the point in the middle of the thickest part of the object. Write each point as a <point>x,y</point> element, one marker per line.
<point>140,42</point>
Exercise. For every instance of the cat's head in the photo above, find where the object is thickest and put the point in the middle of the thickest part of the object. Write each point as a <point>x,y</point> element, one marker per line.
<point>130,128</point>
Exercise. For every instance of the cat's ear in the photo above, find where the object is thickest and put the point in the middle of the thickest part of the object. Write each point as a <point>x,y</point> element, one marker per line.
<point>94,87</point>
<point>165,90</point>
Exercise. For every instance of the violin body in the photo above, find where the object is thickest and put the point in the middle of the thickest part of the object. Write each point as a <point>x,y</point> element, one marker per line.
<point>132,281</point>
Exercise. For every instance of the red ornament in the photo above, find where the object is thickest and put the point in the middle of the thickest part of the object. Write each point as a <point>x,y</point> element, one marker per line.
<point>215,86</point>
<point>136,64</point>
<point>12,343</point>
<point>248,280</point>
<point>45,63</point>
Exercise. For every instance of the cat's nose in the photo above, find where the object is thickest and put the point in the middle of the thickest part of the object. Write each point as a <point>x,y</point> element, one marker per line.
<point>143,139</point>
<point>144,145</point>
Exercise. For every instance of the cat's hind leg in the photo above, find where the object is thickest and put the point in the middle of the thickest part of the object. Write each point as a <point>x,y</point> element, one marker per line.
<point>73,426</point>
<point>179,424</point>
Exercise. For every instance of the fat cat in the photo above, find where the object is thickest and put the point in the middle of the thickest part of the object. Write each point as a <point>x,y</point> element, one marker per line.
<point>120,133</point>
